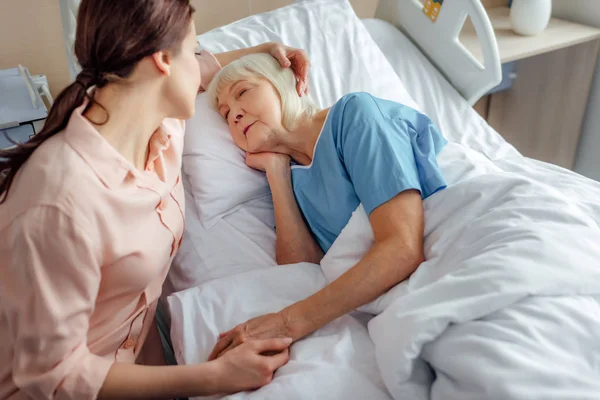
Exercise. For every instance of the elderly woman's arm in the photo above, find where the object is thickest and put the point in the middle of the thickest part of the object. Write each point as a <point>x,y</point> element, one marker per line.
<point>294,242</point>
<point>395,255</point>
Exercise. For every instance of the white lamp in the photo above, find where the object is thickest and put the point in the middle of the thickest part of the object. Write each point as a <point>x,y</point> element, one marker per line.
<point>530,17</point>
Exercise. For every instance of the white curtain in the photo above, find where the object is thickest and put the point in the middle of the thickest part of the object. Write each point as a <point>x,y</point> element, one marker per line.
<point>68,12</point>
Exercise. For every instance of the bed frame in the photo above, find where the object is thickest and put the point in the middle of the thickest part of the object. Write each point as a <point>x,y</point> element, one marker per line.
<point>438,41</point>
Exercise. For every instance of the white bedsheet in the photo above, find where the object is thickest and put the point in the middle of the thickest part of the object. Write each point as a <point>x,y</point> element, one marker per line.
<point>336,362</point>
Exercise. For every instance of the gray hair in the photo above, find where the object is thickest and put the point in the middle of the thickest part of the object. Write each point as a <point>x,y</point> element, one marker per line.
<point>293,107</point>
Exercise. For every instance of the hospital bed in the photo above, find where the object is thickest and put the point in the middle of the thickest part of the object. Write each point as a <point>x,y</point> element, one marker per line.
<point>474,345</point>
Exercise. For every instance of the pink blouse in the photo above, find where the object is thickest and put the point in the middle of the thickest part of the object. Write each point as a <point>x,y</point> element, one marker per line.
<point>86,241</point>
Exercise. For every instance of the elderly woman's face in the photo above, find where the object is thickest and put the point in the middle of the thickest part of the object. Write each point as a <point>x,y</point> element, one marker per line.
<point>252,109</point>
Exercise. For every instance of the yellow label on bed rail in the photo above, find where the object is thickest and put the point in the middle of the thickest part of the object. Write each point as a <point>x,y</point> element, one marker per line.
<point>431,8</point>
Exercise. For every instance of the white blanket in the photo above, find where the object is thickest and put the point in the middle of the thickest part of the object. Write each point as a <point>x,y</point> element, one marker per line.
<point>507,304</point>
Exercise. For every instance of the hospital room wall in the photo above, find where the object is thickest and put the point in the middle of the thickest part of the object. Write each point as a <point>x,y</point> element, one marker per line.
<point>31,35</point>
<point>587,161</point>
<point>31,30</point>
<point>212,16</point>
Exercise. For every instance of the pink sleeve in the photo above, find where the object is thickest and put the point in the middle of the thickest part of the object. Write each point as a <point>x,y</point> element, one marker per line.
<point>209,66</point>
<point>48,291</point>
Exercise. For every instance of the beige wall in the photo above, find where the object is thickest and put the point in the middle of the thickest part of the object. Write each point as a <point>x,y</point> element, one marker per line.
<point>587,161</point>
<point>31,30</point>
<point>209,17</point>
<point>31,35</point>
<point>494,3</point>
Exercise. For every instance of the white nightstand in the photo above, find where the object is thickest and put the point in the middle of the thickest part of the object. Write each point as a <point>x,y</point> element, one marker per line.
<point>542,112</point>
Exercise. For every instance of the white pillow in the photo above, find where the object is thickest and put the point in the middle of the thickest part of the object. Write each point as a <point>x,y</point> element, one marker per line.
<point>344,59</point>
<point>239,242</point>
<point>219,179</point>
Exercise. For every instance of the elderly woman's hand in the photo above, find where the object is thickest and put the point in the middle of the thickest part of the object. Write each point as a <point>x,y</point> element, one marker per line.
<point>297,60</point>
<point>268,162</point>
<point>267,326</point>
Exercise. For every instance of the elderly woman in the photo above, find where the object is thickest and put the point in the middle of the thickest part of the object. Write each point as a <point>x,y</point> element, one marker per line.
<point>361,150</point>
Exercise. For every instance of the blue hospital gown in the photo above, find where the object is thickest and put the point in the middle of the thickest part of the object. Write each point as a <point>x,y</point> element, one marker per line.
<point>369,150</point>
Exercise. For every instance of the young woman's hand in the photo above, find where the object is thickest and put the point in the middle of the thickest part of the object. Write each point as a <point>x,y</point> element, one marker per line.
<point>288,57</point>
<point>251,365</point>
<point>268,162</point>
<point>296,59</point>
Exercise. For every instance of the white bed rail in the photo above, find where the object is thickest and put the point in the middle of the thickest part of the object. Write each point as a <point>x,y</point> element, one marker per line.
<point>439,41</point>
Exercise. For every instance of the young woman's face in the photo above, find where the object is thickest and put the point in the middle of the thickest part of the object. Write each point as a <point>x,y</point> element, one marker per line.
<point>252,109</point>
<point>185,78</point>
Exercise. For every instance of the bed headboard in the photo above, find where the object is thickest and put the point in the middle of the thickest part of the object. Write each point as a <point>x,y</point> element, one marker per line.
<point>439,41</point>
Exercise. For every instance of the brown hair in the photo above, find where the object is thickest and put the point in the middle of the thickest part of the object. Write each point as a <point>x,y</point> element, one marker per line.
<point>111,38</point>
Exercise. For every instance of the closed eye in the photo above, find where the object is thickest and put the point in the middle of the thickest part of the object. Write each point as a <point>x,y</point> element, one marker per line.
<point>242,92</point>
<point>224,111</point>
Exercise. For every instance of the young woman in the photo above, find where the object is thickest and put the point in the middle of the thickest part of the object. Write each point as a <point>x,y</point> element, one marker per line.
<point>92,214</point>
<point>361,150</point>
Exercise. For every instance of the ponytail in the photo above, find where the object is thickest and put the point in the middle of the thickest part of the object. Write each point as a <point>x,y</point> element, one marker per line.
<point>67,101</point>
<point>111,38</point>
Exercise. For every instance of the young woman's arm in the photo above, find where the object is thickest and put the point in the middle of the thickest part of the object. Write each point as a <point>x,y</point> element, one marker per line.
<point>295,243</point>
<point>49,287</point>
<point>245,369</point>
<point>287,56</point>
<point>229,56</point>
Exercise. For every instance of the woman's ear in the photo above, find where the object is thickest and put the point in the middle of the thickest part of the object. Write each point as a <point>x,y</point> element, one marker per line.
<point>162,60</point>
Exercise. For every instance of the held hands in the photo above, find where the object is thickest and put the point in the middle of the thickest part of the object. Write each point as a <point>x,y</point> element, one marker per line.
<point>296,59</point>
<point>247,367</point>
<point>268,326</point>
